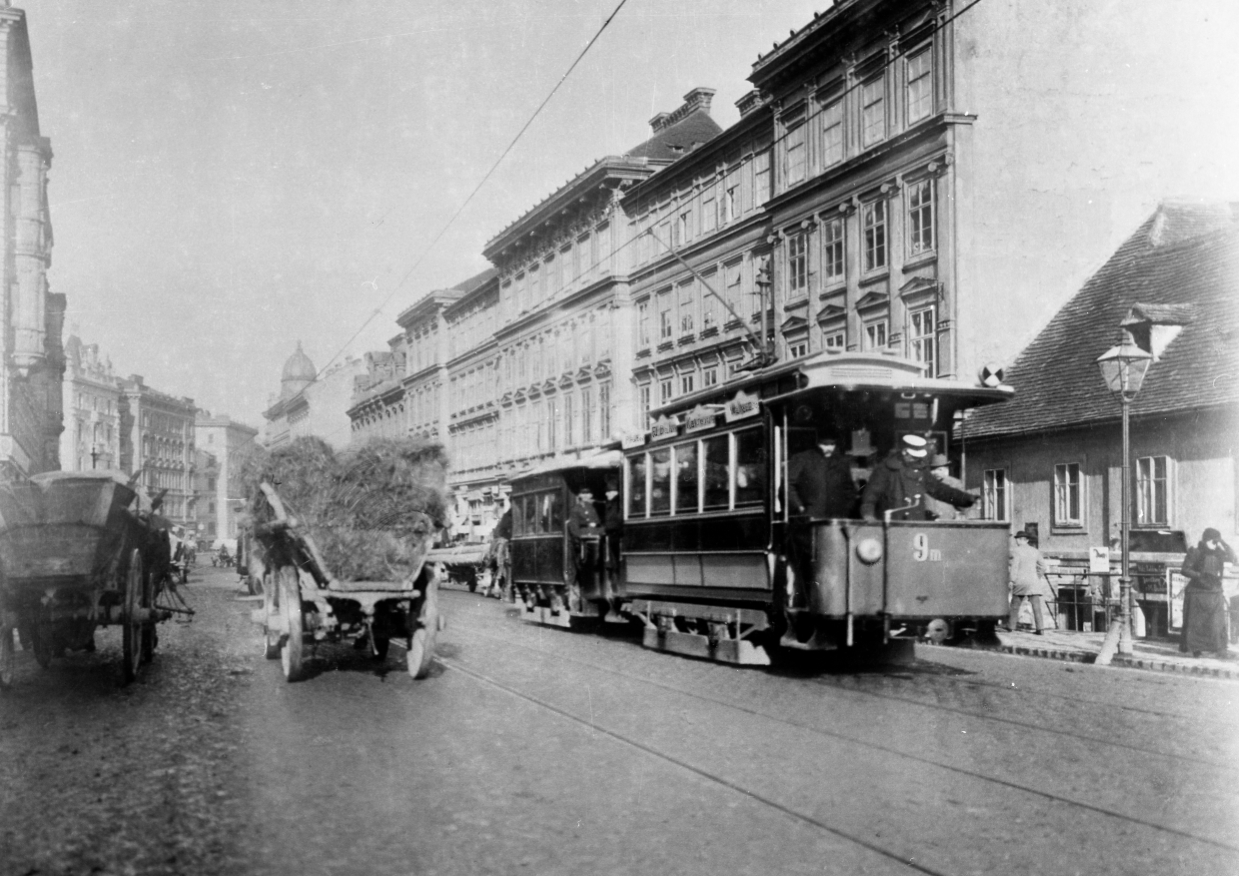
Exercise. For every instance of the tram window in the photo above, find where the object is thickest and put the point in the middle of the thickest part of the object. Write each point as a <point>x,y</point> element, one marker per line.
<point>750,467</point>
<point>660,482</point>
<point>686,478</point>
<point>717,457</point>
<point>636,486</point>
<point>518,515</point>
<point>550,519</point>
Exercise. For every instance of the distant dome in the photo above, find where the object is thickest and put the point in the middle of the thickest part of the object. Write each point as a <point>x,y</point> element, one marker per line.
<point>299,372</point>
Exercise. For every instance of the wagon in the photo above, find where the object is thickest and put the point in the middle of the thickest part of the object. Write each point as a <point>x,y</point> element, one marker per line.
<point>304,603</point>
<point>75,555</point>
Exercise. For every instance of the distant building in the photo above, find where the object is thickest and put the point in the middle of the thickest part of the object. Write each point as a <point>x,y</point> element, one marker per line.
<point>32,364</point>
<point>228,443</point>
<point>310,403</point>
<point>206,488</point>
<point>92,402</point>
<point>157,439</point>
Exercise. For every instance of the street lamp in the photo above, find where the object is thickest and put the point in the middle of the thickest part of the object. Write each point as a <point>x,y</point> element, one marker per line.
<point>1123,369</point>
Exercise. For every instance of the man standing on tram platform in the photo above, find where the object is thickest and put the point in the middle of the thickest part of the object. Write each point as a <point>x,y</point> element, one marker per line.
<point>819,487</point>
<point>900,481</point>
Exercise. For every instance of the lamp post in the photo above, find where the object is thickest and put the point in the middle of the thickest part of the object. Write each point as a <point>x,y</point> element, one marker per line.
<point>1123,368</point>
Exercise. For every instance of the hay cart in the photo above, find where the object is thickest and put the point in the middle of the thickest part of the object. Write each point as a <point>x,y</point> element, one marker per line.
<point>303,602</point>
<point>74,556</point>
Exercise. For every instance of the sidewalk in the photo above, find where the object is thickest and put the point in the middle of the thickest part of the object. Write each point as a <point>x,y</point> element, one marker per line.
<point>1157,654</point>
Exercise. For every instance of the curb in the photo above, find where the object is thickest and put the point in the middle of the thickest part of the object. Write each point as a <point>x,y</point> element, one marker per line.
<point>1153,664</point>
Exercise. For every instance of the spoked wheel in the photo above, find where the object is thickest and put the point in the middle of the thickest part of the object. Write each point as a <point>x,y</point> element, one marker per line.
<point>290,596</point>
<point>41,643</point>
<point>424,626</point>
<point>270,605</point>
<point>8,654</point>
<point>134,629</point>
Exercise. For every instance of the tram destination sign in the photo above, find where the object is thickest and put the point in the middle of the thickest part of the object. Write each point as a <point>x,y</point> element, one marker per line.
<point>740,406</point>
<point>664,427</point>
<point>700,418</point>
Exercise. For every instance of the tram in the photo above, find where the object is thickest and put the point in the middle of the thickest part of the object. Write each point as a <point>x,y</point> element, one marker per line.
<point>709,564</point>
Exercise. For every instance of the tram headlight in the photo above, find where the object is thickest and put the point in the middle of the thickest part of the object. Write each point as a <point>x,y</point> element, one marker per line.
<point>869,550</point>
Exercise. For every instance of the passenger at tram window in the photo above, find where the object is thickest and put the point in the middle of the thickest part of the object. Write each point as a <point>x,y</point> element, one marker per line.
<point>819,481</point>
<point>750,467</point>
<point>582,521</point>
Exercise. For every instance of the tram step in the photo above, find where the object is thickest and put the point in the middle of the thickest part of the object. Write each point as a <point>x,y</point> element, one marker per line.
<point>739,652</point>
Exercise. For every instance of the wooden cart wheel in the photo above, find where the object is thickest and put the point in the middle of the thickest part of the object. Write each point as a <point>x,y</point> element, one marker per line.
<point>422,639</point>
<point>133,628</point>
<point>41,643</point>
<point>290,597</point>
<point>8,655</point>
<point>270,605</point>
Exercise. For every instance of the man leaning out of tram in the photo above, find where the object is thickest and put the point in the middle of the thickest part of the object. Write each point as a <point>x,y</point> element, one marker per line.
<point>901,479</point>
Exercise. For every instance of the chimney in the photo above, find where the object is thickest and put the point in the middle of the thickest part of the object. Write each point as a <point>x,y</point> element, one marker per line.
<point>697,99</point>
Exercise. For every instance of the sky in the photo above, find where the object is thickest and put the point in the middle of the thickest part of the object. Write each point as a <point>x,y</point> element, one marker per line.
<point>231,178</point>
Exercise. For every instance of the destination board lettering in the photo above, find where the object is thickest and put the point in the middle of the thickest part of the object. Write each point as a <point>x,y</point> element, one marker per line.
<point>740,406</point>
<point>699,419</point>
<point>664,427</point>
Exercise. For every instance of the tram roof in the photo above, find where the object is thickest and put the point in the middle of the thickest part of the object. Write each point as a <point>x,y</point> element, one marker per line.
<point>847,372</point>
<point>600,460</point>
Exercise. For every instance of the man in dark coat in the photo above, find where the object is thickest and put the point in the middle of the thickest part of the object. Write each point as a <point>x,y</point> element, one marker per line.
<point>582,521</point>
<point>819,482</point>
<point>900,480</point>
<point>1204,603</point>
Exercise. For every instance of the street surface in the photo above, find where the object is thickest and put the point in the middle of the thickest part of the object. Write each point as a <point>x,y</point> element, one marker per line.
<point>539,751</point>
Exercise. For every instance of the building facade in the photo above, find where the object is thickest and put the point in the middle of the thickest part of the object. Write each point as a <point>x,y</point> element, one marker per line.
<point>206,488</point>
<point>92,403</point>
<point>310,403</point>
<point>157,444</point>
<point>228,443</point>
<point>33,362</point>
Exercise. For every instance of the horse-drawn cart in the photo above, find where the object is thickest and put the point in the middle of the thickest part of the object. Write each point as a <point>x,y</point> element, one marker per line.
<point>304,603</point>
<point>75,555</point>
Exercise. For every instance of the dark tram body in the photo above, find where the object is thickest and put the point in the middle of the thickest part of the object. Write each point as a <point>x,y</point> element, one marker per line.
<point>714,565</point>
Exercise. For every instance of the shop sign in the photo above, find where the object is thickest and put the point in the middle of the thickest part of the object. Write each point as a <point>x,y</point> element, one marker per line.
<point>664,427</point>
<point>699,419</point>
<point>741,406</point>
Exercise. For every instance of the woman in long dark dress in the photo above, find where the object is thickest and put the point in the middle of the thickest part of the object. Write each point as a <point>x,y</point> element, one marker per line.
<point>1204,604</point>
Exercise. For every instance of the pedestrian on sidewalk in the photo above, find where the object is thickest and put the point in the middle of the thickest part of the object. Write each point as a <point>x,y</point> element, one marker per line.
<point>1204,603</point>
<point>1027,569</point>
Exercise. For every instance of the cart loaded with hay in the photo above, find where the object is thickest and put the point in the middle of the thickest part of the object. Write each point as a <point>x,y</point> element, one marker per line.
<point>339,545</point>
<point>79,551</point>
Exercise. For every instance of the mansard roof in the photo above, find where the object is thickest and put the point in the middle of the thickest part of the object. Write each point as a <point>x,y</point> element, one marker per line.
<point>1181,268</point>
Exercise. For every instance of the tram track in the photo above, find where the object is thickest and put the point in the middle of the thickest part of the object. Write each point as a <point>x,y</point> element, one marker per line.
<point>1084,807</point>
<point>1091,739</point>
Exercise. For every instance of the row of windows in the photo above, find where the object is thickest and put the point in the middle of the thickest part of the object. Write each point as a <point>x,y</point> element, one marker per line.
<point>710,205</point>
<point>690,307</point>
<point>816,140</point>
<point>1152,497</point>
<point>575,263</point>
<point>817,259</point>
<point>717,473</point>
<point>557,422</point>
<point>582,342</point>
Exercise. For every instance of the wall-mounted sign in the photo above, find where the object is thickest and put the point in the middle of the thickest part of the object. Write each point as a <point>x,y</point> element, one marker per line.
<point>631,439</point>
<point>700,418</point>
<point>664,427</point>
<point>740,406</point>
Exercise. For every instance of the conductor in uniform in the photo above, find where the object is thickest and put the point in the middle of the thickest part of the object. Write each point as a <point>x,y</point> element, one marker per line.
<point>901,483</point>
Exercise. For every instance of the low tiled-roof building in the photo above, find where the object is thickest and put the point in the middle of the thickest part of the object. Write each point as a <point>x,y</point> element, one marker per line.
<point>1051,459</point>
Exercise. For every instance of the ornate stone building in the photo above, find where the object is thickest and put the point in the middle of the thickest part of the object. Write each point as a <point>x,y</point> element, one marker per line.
<point>33,363</point>
<point>92,403</point>
<point>228,443</point>
<point>157,442</point>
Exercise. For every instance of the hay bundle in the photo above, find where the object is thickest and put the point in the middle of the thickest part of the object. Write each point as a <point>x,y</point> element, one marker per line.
<point>372,511</point>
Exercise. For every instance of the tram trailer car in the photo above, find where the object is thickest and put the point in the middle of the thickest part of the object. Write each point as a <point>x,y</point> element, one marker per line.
<point>710,565</point>
<point>555,581</point>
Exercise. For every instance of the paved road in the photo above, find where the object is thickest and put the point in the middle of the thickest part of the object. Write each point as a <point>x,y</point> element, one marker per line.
<point>537,751</point>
